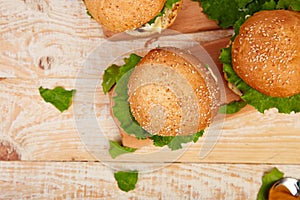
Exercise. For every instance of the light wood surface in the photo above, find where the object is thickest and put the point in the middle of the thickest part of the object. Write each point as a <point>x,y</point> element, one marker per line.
<point>92,180</point>
<point>46,43</point>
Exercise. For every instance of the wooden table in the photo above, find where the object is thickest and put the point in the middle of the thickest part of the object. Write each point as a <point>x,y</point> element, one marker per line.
<point>45,43</point>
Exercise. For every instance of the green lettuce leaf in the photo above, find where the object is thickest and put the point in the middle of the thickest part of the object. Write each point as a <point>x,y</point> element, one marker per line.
<point>175,142</point>
<point>225,56</point>
<point>289,5</point>
<point>59,97</point>
<point>114,72</point>
<point>126,179</point>
<point>268,180</point>
<point>168,5</point>
<point>130,63</point>
<point>109,77</point>
<point>115,149</point>
<point>232,107</point>
<point>227,12</point>
<point>121,110</point>
<point>269,5</point>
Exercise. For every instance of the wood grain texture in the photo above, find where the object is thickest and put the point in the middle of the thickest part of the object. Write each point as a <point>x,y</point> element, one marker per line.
<point>41,132</point>
<point>46,43</point>
<point>53,38</point>
<point>85,180</point>
<point>32,31</point>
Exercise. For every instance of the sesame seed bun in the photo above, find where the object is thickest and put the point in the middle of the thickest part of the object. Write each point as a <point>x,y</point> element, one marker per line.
<point>171,93</point>
<point>124,15</point>
<point>266,53</point>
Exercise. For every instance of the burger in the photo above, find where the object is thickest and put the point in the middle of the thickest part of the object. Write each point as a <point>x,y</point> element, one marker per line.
<point>138,15</point>
<point>262,63</point>
<point>167,97</point>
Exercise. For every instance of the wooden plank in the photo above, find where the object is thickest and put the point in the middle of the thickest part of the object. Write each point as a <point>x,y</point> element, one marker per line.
<point>54,38</point>
<point>41,132</point>
<point>78,180</point>
<point>37,129</point>
<point>50,31</point>
<point>45,38</point>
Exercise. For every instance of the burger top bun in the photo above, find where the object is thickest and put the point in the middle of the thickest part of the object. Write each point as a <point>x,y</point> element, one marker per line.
<point>122,15</point>
<point>171,93</point>
<point>266,53</point>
